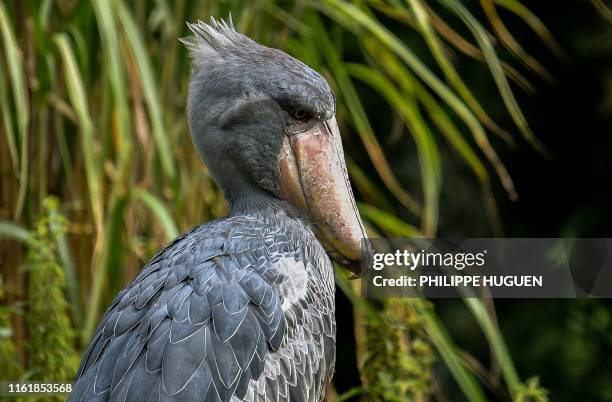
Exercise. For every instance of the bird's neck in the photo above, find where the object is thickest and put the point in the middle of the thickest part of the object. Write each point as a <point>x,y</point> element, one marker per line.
<point>246,197</point>
<point>263,204</point>
<point>249,200</point>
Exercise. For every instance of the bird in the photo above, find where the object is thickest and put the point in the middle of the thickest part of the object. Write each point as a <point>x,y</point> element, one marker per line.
<point>241,307</point>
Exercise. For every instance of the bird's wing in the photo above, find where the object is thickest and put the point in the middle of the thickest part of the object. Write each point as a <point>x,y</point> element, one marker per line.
<point>195,324</point>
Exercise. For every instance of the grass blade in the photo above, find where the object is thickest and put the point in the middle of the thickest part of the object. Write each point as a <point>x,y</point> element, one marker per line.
<point>14,231</point>
<point>520,10</point>
<point>449,71</point>
<point>343,282</point>
<point>368,189</point>
<point>513,46</point>
<point>389,223</point>
<point>69,267</point>
<point>603,9</point>
<point>447,127</point>
<point>101,273</point>
<point>7,118</point>
<point>465,47</point>
<point>493,63</point>
<point>429,158</point>
<point>116,76</point>
<point>496,341</point>
<point>349,15</point>
<point>78,99</point>
<point>448,352</point>
<point>451,132</point>
<point>14,60</point>
<point>159,211</point>
<point>149,87</point>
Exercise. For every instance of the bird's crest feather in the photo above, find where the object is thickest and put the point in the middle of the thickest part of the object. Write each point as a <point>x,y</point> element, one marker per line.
<point>208,39</point>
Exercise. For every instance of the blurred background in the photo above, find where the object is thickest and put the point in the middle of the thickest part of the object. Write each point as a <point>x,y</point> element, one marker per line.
<point>460,118</point>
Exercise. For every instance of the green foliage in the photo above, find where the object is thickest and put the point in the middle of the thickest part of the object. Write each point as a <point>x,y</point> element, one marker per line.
<point>397,367</point>
<point>10,367</point>
<point>531,392</point>
<point>51,353</point>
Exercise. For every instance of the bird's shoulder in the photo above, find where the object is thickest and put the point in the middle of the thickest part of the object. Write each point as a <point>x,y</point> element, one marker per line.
<point>199,318</point>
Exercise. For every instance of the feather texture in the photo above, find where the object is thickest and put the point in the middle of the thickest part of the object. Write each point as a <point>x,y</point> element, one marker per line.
<point>236,309</point>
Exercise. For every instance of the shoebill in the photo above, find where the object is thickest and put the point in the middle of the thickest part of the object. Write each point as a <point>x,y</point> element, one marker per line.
<point>242,307</point>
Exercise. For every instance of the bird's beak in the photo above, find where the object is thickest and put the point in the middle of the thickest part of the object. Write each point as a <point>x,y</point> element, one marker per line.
<point>314,178</point>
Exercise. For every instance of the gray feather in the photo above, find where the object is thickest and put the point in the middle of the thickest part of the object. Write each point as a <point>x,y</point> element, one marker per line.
<point>182,359</point>
<point>205,328</point>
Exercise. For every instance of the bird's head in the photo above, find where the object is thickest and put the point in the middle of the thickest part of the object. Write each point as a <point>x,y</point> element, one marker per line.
<point>264,123</point>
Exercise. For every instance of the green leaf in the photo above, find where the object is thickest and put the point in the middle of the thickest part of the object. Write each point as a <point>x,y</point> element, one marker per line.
<point>149,86</point>
<point>535,23</point>
<point>350,16</point>
<point>14,231</point>
<point>451,74</point>
<point>391,224</point>
<point>448,352</point>
<point>496,341</point>
<point>116,76</point>
<point>506,37</point>
<point>78,99</point>
<point>70,271</point>
<point>159,211</point>
<point>104,269</point>
<point>482,38</point>
<point>14,60</point>
<point>429,157</point>
<point>7,119</point>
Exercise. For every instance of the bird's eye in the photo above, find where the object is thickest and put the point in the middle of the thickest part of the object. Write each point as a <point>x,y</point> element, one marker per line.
<point>300,114</point>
